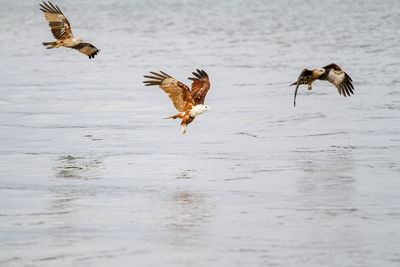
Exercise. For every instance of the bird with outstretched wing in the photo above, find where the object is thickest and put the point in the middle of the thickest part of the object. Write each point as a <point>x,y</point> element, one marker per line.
<point>331,73</point>
<point>61,30</point>
<point>189,103</point>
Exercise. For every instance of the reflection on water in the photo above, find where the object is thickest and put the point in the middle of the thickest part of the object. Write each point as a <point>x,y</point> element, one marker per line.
<point>188,216</point>
<point>91,176</point>
<point>78,167</point>
<point>188,211</point>
<point>187,174</point>
<point>63,202</point>
<point>336,161</point>
<point>328,169</point>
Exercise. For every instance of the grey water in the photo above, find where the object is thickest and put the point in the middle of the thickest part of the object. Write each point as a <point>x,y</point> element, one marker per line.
<point>91,175</point>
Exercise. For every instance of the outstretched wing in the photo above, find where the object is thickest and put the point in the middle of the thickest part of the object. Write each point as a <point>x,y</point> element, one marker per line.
<point>200,86</point>
<point>87,49</point>
<point>303,75</point>
<point>177,91</point>
<point>335,75</point>
<point>58,23</point>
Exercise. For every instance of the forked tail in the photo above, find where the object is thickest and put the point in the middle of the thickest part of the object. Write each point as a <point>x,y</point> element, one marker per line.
<point>50,45</point>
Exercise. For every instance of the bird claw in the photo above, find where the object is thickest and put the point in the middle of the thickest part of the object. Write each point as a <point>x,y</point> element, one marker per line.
<point>183,130</point>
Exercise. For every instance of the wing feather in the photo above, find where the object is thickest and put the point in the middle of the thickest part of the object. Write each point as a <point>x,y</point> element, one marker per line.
<point>200,86</point>
<point>87,49</point>
<point>59,24</point>
<point>340,79</point>
<point>177,91</point>
<point>158,75</point>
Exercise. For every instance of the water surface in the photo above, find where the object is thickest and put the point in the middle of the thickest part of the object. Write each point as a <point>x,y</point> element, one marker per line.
<point>92,176</point>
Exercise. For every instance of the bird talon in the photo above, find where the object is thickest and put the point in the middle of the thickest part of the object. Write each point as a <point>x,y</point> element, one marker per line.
<point>183,130</point>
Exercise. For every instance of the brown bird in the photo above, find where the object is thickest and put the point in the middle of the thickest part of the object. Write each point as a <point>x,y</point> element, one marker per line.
<point>61,30</point>
<point>189,103</point>
<point>331,73</point>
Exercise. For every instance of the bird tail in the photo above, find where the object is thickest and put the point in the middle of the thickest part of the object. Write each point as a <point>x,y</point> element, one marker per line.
<point>177,116</point>
<point>50,45</point>
<point>293,83</point>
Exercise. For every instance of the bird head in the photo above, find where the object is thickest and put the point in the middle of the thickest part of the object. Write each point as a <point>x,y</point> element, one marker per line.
<point>320,71</point>
<point>202,108</point>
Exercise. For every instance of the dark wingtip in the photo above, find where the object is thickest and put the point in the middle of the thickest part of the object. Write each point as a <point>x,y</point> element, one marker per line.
<point>151,83</point>
<point>165,74</point>
<point>200,74</point>
<point>157,79</point>
<point>94,54</point>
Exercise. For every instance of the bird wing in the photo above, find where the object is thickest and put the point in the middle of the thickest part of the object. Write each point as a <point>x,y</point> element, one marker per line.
<point>335,75</point>
<point>87,49</point>
<point>58,23</point>
<point>177,91</point>
<point>200,86</point>
<point>303,73</point>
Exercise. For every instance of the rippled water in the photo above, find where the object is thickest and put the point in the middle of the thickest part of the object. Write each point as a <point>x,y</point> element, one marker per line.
<point>92,176</point>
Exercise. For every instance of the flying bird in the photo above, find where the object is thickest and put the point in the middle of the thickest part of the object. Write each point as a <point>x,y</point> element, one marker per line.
<point>331,73</point>
<point>190,103</point>
<point>61,30</point>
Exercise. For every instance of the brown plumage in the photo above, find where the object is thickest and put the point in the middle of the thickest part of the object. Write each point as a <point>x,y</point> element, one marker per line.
<point>331,73</point>
<point>61,30</point>
<point>188,103</point>
<point>200,86</point>
<point>87,49</point>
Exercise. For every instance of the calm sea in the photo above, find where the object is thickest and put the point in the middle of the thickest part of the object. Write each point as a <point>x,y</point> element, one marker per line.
<point>91,175</point>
